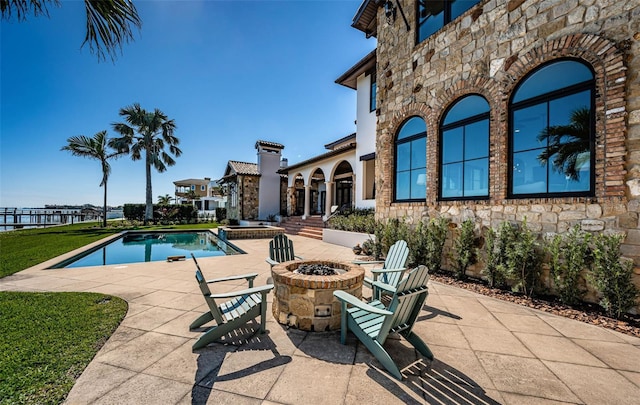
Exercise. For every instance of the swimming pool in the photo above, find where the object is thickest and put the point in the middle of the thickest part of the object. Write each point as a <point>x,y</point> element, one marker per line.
<point>139,247</point>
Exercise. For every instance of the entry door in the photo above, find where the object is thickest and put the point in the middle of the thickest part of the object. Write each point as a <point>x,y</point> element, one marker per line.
<point>299,202</point>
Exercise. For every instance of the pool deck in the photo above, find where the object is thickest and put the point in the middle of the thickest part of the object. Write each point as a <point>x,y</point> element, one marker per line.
<point>487,351</point>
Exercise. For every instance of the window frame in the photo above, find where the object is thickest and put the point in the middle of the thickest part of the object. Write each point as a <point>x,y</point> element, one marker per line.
<point>373,87</point>
<point>463,123</point>
<point>408,139</point>
<point>546,98</point>
<point>447,18</point>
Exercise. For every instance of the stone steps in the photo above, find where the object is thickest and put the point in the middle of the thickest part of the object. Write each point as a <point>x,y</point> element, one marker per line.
<point>310,227</point>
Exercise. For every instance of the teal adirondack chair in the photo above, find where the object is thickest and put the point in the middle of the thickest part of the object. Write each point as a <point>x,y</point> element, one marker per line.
<point>373,322</point>
<point>281,250</point>
<point>392,270</point>
<point>232,309</point>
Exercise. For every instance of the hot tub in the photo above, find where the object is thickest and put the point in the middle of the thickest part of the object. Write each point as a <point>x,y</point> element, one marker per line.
<point>306,301</point>
<point>248,232</point>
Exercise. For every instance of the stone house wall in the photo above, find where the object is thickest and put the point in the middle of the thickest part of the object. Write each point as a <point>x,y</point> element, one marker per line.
<point>488,51</point>
<point>250,186</point>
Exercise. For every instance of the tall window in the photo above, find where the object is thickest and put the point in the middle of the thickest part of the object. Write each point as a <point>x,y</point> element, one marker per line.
<point>464,149</point>
<point>433,15</point>
<point>411,161</point>
<point>372,92</point>
<point>552,132</point>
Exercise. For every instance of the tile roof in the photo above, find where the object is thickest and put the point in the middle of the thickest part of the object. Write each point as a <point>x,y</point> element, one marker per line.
<point>337,151</point>
<point>244,168</point>
<point>267,143</point>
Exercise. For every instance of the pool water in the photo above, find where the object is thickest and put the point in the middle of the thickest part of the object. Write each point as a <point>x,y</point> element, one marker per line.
<point>136,247</point>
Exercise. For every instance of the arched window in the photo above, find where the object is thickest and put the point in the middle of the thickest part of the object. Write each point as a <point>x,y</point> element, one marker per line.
<point>552,132</point>
<point>411,161</point>
<point>464,149</point>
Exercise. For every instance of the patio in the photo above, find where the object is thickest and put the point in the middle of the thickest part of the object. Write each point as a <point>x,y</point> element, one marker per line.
<point>487,351</point>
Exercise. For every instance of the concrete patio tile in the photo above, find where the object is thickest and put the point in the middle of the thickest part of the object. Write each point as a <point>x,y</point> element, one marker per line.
<point>179,326</point>
<point>326,346</point>
<point>494,341</point>
<point>525,323</point>
<point>471,312</point>
<point>201,395</point>
<point>141,352</point>
<point>185,301</point>
<point>443,385</point>
<point>594,385</point>
<point>187,366</point>
<point>558,348</point>
<point>139,389</point>
<point>183,286</point>
<point>620,356</point>
<point>370,386</point>
<point>442,334</point>
<point>78,285</point>
<point>128,293</point>
<point>96,380</point>
<point>248,372</point>
<point>312,381</point>
<point>443,289</point>
<point>529,377</point>
<point>498,306</point>
<point>516,399</point>
<point>461,363</point>
<point>122,335</point>
<point>152,318</point>
<point>136,280</point>
<point>634,377</point>
<point>435,309</point>
<point>580,330</point>
<point>46,283</point>
<point>137,308</point>
<point>285,340</point>
<point>156,298</point>
<point>110,277</point>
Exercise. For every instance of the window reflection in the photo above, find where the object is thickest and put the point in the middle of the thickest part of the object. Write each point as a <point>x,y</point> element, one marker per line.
<point>552,132</point>
<point>433,15</point>
<point>411,161</point>
<point>465,149</point>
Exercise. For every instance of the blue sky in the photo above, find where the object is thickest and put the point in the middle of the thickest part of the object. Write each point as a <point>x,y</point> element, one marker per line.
<point>228,72</point>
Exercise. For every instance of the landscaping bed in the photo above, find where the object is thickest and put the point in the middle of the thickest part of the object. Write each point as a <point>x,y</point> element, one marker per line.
<point>586,312</point>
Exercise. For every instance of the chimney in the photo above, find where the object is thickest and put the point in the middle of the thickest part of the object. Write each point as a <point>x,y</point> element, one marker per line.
<point>284,162</point>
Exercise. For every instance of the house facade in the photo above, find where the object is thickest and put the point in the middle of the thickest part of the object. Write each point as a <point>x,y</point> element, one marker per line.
<point>499,110</point>
<point>255,190</point>
<point>202,193</point>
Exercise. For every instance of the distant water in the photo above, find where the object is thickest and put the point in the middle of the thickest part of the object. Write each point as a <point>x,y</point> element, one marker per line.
<point>37,217</point>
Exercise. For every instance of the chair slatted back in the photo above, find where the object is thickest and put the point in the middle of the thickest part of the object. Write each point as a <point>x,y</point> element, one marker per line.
<point>281,248</point>
<point>204,287</point>
<point>406,303</point>
<point>396,259</point>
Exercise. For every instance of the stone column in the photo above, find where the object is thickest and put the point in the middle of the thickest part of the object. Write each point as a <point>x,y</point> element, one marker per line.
<point>307,201</point>
<point>328,199</point>
<point>353,190</point>
<point>291,203</point>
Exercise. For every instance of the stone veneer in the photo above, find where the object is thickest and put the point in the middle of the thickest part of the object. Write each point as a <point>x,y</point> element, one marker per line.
<point>307,302</point>
<point>487,51</point>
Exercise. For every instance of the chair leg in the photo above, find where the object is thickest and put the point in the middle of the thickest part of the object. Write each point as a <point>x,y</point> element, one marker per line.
<point>202,319</point>
<point>383,357</point>
<point>420,345</point>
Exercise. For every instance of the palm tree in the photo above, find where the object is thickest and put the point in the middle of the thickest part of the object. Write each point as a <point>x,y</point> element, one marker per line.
<point>165,199</point>
<point>97,148</point>
<point>568,144</point>
<point>109,22</point>
<point>147,132</point>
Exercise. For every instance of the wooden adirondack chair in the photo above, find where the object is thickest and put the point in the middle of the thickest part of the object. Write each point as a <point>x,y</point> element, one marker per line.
<point>392,270</point>
<point>281,250</point>
<point>373,322</point>
<point>232,309</point>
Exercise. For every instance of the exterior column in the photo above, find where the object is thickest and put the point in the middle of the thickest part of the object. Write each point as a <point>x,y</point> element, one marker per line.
<point>307,201</point>
<point>291,203</point>
<point>328,199</point>
<point>353,190</point>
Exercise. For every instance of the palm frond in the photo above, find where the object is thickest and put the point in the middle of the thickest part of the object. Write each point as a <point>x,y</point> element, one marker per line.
<point>21,8</point>
<point>109,25</point>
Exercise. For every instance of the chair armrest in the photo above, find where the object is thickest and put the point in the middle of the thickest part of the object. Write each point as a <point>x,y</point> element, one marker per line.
<point>271,261</point>
<point>248,277</point>
<point>298,257</point>
<point>383,286</point>
<point>367,261</point>
<point>353,301</point>
<point>380,271</point>
<point>248,291</point>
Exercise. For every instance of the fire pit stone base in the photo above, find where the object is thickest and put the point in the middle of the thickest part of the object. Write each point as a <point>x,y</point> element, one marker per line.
<point>306,301</point>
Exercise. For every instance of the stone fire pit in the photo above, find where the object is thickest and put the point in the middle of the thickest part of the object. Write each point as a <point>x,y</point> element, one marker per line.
<point>306,301</point>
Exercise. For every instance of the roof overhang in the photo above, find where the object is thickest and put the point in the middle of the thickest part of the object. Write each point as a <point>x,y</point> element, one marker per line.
<point>366,18</point>
<point>350,77</point>
<point>336,152</point>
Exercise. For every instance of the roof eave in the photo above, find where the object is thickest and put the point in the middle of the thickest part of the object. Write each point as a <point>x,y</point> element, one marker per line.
<point>350,77</point>
<point>365,19</point>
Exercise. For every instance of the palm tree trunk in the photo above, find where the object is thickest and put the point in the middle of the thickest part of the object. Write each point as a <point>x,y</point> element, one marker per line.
<point>148,213</point>
<point>104,207</point>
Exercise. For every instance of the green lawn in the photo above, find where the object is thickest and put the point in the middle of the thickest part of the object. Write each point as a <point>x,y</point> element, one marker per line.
<point>48,339</point>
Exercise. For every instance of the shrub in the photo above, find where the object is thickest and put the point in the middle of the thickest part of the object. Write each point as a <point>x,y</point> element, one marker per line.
<point>358,220</point>
<point>426,243</point>
<point>221,213</point>
<point>568,257</point>
<point>494,257</point>
<point>612,276</point>
<point>464,249</point>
